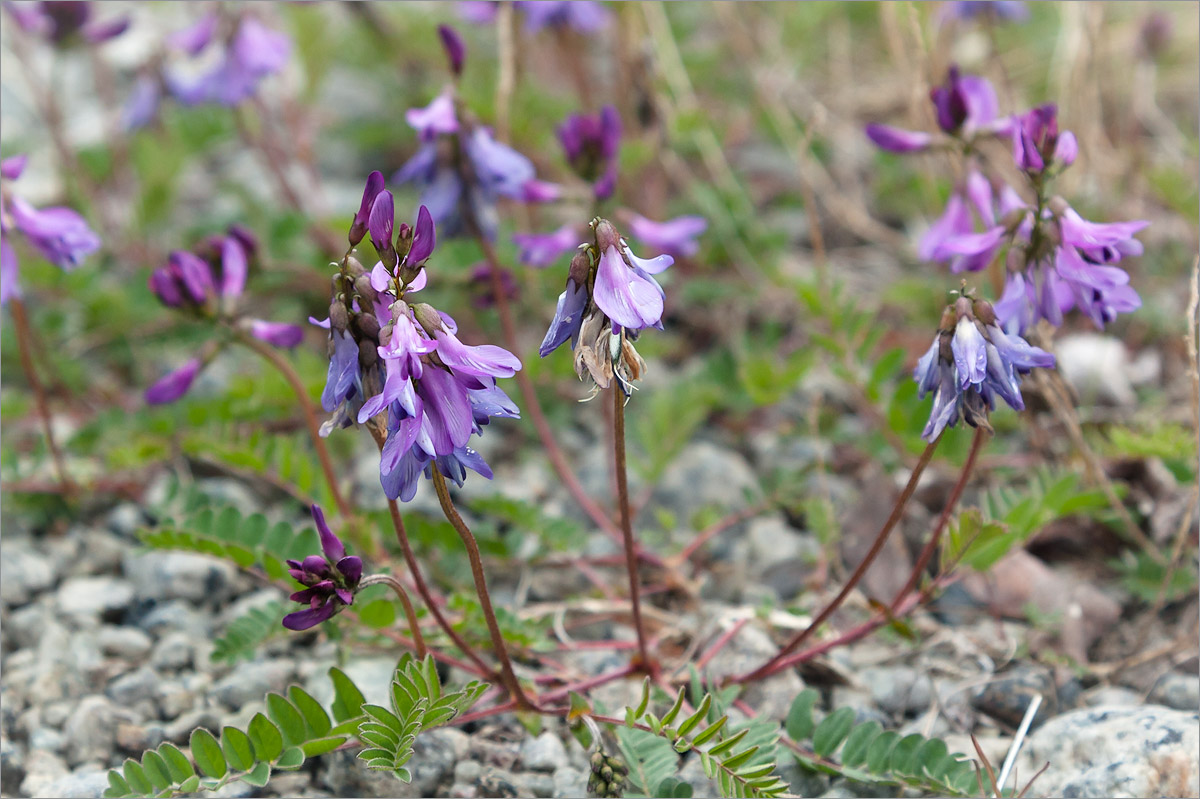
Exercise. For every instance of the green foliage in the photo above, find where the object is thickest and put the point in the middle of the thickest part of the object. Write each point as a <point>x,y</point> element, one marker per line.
<point>247,541</point>
<point>417,703</point>
<point>1173,443</point>
<point>246,633</point>
<point>740,760</point>
<point>286,461</point>
<point>295,727</point>
<point>1011,516</point>
<point>500,512</point>
<point>1146,578</point>
<point>868,754</point>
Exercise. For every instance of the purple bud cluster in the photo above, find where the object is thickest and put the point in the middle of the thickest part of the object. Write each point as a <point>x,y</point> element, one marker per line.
<point>330,580</point>
<point>65,22</point>
<point>209,282</point>
<point>1056,260</point>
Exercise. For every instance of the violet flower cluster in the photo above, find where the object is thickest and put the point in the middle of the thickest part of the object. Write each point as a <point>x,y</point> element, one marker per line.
<point>249,52</point>
<point>583,16</point>
<point>1056,260</point>
<point>611,296</point>
<point>330,580</point>
<point>59,234</point>
<point>971,362</point>
<point>591,144</point>
<point>209,284</point>
<point>65,23</point>
<point>399,366</point>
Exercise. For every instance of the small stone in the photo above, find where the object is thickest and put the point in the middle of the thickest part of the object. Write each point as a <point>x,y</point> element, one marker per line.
<point>498,783</point>
<point>1116,751</point>
<point>1112,696</point>
<point>179,730</point>
<point>138,738</point>
<point>1007,696</point>
<point>86,783</point>
<point>177,616</point>
<point>175,651</point>
<point>251,681</point>
<point>1179,691</point>
<point>467,771</point>
<point>88,597</point>
<point>128,643</point>
<point>570,782</point>
<point>179,575</point>
<point>173,699</point>
<point>23,574</point>
<point>898,690</point>
<point>47,739</point>
<point>539,784</point>
<point>42,769</point>
<point>89,730</point>
<point>544,753</point>
<point>12,765</point>
<point>134,686</point>
<point>126,519</point>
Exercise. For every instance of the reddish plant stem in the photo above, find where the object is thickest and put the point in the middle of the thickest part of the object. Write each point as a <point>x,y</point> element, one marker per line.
<point>25,347</point>
<point>284,368</point>
<point>529,394</point>
<point>410,614</point>
<point>715,529</point>
<point>720,643</point>
<point>631,560</point>
<point>507,675</point>
<point>414,569</point>
<point>591,682</point>
<point>931,545</point>
<point>897,511</point>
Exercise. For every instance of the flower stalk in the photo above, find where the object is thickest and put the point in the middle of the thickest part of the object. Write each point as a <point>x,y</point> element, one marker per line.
<point>631,560</point>
<point>25,348</point>
<point>409,613</point>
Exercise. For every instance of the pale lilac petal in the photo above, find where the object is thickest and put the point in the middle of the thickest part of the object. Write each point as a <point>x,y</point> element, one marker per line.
<point>1080,232</point>
<point>675,236</point>
<point>174,385</point>
<point>1066,149</point>
<point>483,360</point>
<point>447,410</point>
<point>625,297</point>
<point>233,268</point>
<point>979,191</point>
<point>970,356</point>
<point>196,37</point>
<point>568,316</point>
<point>9,287</point>
<point>436,118</point>
<point>544,249</point>
<point>897,140</point>
<point>259,50</point>
<point>278,334</point>
<point>11,168</point>
<point>955,220</point>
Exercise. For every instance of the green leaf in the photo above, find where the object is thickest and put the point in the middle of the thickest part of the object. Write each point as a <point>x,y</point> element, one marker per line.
<point>156,770</point>
<point>259,776</point>
<point>880,750</point>
<point>238,749</point>
<point>267,741</point>
<point>932,758</point>
<point>190,785</point>
<point>377,614</point>
<point>315,718</point>
<point>320,746</point>
<point>832,730</point>
<point>292,758</point>
<point>117,786</point>
<point>903,758</point>
<point>207,753</point>
<point>799,723</point>
<point>854,753</point>
<point>347,699</point>
<point>178,765</point>
<point>136,777</point>
<point>288,718</point>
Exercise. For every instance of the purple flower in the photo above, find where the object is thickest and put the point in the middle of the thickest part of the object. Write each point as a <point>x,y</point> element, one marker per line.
<point>954,238</point>
<point>358,227</point>
<point>194,38</point>
<point>896,140</point>
<point>500,169</point>
<point>435,119</point>
<point>175,384</point>
<point>9,287</point>
<point>1004,10</point>
<point>591,144</point>
<point>1037,142</point>
<point>12,167</point>
<point>675,236</point>
<point>61,235</point>
<point>330,580</point>
<point>544,249</point>
<point>972,361</point>
<point>584,16</point>
<point>342,382</point>
<point>254,53</point>
<point>628,297</point>
<point>64,22</point>
<point>456,51</point>
<point>278,334</point>
<point>142,106</point>
<point>568,316</point>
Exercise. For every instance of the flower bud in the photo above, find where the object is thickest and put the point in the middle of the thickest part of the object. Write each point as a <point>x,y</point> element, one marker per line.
<point>339,317</point>
<point>367,326</point>
<point>1058,206</point>
<point>428,318</point>
<point>364,289</point>
<point>984,312</point>
<point>368,353</point>
<point>354,267</point>
<point>606,235</point>
<point>581,267</point>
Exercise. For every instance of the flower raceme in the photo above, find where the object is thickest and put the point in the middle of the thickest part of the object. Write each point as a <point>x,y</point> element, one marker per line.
<point>611,296</point>
<point>330,580</point>
<point>424,388</point>
<point>209,284</point>
<point>1056,260</point>
<point>65,23</point>
<point>59,234</point>
<point>970,363</point>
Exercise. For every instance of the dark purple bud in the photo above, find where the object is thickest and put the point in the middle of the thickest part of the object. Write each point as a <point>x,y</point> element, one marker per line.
<point>358,228</point>
<point>456,51</point>
<point>380,223</point>
<point>424,238</point>
<point>194,273</point>
<point>367,326</point>
<point>315,564</point>
<point>67,17</point>
<point>339,317</point>
<point>165,286</point>
<point>304,619</point>
<point>368,353</point>
<point>351,568</point>
<point>100,32</point>
<point>950,103</point>
<point>277,334</point>
<point>330,544</point>
<point>233,268</point>
<point>174,385</point>
<point>245,237</point>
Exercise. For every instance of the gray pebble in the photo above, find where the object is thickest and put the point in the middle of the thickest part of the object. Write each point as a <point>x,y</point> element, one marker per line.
<point>544,753</point>
<point>133,686</point>
<point>128,643</point>
<point>24,573</point>
<point>1179,691</point>
<point>570,782</point>
<point>83,783</point>
<point>89,597</point>
<point>251,681</point>
<point>90,729</point>
<point>179,575</point>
